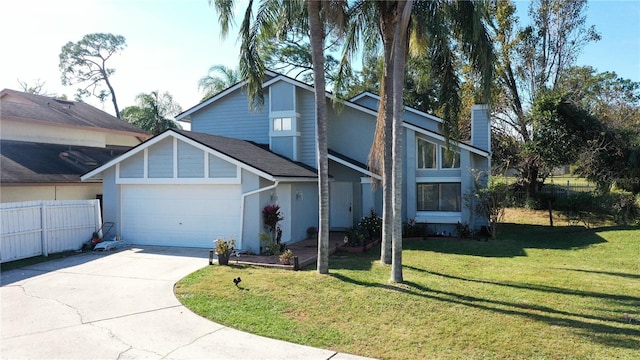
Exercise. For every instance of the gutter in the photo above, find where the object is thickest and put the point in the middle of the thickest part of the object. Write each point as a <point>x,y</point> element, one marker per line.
<point>244,196</point>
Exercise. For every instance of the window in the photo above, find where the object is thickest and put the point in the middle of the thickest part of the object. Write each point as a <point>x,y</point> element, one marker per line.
<point>282,124</point>
<point>450,159</point>
<point>426,155</point>
<point>439,197</point>
<point>432,156</point>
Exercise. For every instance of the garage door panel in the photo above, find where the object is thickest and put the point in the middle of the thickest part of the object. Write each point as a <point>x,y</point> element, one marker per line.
<point>180,215</point>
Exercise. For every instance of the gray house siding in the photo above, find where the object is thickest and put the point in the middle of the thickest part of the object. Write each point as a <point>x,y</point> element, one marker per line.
<point>420,121</point>
<point>133,167</point>
<point>368,102</point>
<point>111,199</point>
<point>307,127</point>
<point>286,146</point>
<point>219,168</point>
<point>342,173</point>
<point>161,159</point>
<point>252,215</point>
<point>282,96</point>
<point>304,209</point>
<point>190,161</point>
<point>481,127</point>
<point>350,132</point>
<point>230,116</point>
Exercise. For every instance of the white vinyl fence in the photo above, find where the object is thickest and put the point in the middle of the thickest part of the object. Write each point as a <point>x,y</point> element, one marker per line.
<point>35,228</point>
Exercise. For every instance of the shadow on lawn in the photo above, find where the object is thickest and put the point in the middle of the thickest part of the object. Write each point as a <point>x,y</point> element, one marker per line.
<point>612,333</point>
<point>513,241</point>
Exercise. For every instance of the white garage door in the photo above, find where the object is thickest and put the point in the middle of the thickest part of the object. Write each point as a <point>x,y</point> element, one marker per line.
<point>180,215</point>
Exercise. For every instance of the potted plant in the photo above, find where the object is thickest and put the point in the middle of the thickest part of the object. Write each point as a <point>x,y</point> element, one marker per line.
<point>286,257</point>
<point>223,248</point>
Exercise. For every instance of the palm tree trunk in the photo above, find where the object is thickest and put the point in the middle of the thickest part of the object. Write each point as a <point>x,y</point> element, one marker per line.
<point>399,55</point>
<point>316,37</point>
<point>385,109</point>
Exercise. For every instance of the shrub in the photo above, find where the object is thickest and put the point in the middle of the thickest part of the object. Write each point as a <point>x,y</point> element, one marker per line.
<point>623,206</point>
<point>371,225</point>
<point>413,229</point>
<point>271,216</point>
<point>353,236</point>
<point>578,207</point>
<point>463,230</point>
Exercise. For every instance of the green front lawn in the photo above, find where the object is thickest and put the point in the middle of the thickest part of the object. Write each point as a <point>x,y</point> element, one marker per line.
<point>535,293</point>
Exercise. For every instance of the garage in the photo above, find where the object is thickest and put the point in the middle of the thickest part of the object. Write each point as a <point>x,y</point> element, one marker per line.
<point>179,215</point>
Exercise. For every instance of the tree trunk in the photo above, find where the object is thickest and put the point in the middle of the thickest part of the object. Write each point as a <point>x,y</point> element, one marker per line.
<point>316,37</point>
<point>400,48</point>
<point>113,94</point>
<point>385,108</point>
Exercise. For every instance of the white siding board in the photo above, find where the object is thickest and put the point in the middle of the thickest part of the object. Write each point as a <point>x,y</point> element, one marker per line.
<point>64,225</point>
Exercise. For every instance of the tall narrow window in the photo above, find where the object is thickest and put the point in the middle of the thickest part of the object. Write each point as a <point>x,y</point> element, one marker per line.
<point>426,155</point>
<point>450,159</point>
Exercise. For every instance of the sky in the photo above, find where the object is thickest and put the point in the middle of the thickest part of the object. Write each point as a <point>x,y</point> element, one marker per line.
<point>172,43</point>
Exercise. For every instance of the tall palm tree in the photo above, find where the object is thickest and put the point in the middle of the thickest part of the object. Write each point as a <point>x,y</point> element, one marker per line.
<point>154,112</point>
<point>429,25</point>
<point>273,19</point>
<point>218,78</point>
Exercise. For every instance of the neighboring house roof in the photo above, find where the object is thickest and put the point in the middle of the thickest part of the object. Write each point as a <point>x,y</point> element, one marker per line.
<point>245,154</point>
<point>38,108</point>
<point>29,162</point>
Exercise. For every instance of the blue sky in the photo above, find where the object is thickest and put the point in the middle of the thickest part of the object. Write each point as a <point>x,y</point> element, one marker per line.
<point>172,43</point>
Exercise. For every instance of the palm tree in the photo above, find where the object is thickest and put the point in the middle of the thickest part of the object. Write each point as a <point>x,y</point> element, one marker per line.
<point>273,19</point>
<point>429,25</point>
<point>153,113</point>
<point>219,77</point>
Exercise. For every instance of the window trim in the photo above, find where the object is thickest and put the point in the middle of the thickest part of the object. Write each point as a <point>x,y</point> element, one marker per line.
<point>439,210</point>
<point>295,121</point>
<point>438,156</point>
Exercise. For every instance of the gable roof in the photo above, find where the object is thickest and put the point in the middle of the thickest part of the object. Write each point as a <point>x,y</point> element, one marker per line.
<point>407,108</point>
<point>29,162</point>
<point>272,77</point>
<point>248,155</point>
<point>37,108</point>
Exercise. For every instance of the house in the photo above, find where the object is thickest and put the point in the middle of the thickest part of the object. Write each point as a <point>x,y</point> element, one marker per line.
<point>186,188</point>
<point>47,143</point>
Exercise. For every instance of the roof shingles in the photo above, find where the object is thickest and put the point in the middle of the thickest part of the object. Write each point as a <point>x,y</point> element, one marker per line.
<point>252,155</point>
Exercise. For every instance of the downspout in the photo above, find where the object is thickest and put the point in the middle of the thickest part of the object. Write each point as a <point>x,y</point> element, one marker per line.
<point>244,196</point>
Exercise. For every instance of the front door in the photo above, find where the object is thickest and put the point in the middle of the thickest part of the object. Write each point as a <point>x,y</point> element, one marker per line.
<point>340,205</point>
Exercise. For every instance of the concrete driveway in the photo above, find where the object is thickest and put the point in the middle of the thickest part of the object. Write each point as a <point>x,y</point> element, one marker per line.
<point>120,305</point>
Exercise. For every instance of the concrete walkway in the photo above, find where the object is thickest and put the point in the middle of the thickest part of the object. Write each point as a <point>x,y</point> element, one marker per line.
<point>121,305</point>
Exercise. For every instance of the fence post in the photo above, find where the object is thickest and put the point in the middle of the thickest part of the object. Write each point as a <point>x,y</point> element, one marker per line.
<point>43,223</point>
<point>98,215</point>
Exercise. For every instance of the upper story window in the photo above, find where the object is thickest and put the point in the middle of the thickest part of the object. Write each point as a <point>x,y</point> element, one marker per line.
<point>450,158</point>
<point>432,156</point>
<point>426,155</point>
<point>282,124</point>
